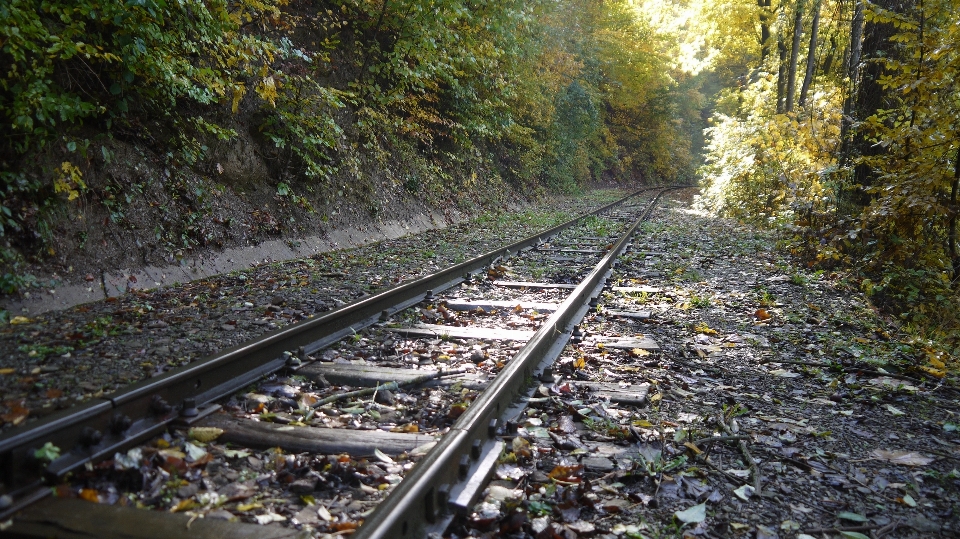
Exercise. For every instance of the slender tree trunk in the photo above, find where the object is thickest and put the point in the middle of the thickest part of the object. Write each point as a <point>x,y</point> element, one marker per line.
<point>811,54</point>
<point>794,57</point>
<point>829,57</point>
<point>952,235</point>
<point>764,29</point>
<point>781,72</point>
<point>852,71</point>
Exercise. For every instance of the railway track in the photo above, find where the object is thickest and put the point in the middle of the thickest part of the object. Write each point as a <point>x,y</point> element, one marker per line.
<point>462,357</point>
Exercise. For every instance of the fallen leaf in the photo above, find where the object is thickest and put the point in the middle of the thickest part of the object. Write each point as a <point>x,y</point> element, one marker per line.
<point>853,535</point>
<point>744,492</point>
<point>783,373</point>
<point>705,329</point>
<point>790,525</point>
<point>47,453</point>
<point>17,320</point>
<point>908,500</point>
<point>693,447</point>
<point>268,518</point>
<point>521,447</point>
<point>7,371</point>
<point>16,415</point>
<point>184,505</point>
<point>639,352</point>
<point>905,458</point>
<point>90,495</point>
<point>932,371</point>
<point>894,410</point>
<point>383,457</point>
<point>194,452</point>
<point>243,508</point>
<point>204,434</point>
<point>853,517</point>
<point>566,473</point>
<point>693,515</point>
<point>762,314</point>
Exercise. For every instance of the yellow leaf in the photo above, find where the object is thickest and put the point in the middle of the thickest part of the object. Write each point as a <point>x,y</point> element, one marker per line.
<point>580,362</point>
<point>643,423</point>
<point>639,352</point>
<point>204,434</point>
<point>7,371</point>
<point>693,447</point>
<point>705,329</point>
<point>243,508</point>
<point>656,397</point>
<point>184,505</point>
<point>238,91</point>
<point>935,372</point>
<point>19,320</point>
<point>90,495</point>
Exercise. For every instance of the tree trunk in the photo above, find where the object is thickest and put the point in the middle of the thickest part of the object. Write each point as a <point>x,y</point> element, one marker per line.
<point>828,58</point>
<point>952,235</point>
<point>764,29</point>
<point>781,72</point>
<point>870,96</point>
<point>852,71</point>
<point>794,57</point>
<point>811,54</point>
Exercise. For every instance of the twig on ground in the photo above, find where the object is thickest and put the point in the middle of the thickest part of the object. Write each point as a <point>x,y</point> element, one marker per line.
<point>388,386</point>
<point>889,528</point>
<point>839,529</point>
<point>754,469</point>
<point>842,367</point>
<point>712,439</point>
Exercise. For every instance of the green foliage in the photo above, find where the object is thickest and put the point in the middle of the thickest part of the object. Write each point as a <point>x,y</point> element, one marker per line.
<point>75,61</point>
<point>437,96</point>
<point>890,212</point>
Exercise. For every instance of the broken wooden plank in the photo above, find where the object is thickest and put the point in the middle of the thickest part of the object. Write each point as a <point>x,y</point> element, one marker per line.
<point>72,518</point>
<point>640,315</point>
<point>457,332</point>
<point>321,440</point>
<point>527,284</point>
<point>492,305</point>
<point>629,343</point>
<point>632,395</point>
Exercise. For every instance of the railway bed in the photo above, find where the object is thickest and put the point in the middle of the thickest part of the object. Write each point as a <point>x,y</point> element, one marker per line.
<point>393,410</point>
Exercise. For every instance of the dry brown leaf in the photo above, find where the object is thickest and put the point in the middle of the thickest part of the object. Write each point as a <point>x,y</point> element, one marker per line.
<point>904,458</point>
<point>762,314</point>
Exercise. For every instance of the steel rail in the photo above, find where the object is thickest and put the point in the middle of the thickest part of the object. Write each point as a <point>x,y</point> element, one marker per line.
<point>440,484</point>
<point>99,428</point>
